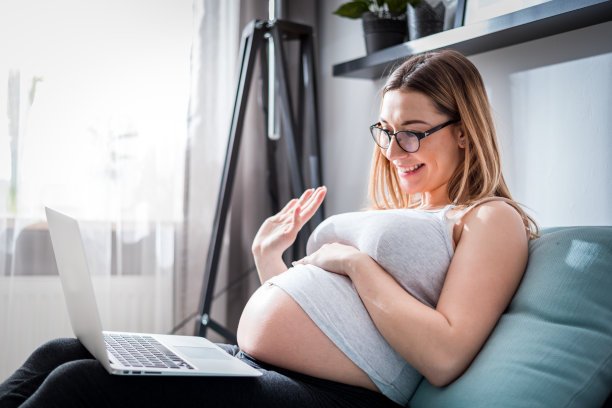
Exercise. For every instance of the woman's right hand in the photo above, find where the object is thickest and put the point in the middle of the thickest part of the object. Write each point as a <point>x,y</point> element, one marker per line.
<point>279,232</point>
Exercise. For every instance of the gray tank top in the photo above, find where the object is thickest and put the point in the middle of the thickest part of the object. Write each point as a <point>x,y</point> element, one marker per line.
<point>414,246</point>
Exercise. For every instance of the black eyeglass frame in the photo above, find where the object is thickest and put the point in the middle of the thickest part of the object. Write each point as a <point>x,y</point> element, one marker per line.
<point>419,136</point>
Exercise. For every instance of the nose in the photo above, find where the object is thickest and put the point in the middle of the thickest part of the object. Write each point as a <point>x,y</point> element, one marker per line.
<point>394,150</point>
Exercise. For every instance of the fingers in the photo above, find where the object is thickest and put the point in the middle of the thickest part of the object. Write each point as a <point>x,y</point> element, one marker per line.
<point>306,196</point>
<point>299,210</point>
<point>286,209</point>
<point>305,200</point>
<point>295,222</point>
<point>291,204</point>
<point>314,202</point>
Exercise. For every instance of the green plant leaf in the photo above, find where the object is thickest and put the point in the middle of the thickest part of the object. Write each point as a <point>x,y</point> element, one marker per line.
<point>353,9</point>
<point>399,6</point>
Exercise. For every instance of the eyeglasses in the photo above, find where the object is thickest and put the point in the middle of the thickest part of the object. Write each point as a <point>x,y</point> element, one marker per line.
<point>408,141</point>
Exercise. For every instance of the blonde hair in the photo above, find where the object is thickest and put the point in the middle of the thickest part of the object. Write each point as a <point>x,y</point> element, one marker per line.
<point>456,89</point>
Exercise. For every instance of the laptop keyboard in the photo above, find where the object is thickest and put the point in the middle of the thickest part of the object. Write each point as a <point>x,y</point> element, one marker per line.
<point>142,351</point>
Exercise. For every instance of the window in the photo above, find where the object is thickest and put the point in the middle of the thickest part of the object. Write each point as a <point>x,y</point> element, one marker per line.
<point>95,96</point>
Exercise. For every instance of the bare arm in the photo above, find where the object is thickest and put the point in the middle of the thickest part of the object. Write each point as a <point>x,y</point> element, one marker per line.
<point>279,232</point>
<point>485,271</point>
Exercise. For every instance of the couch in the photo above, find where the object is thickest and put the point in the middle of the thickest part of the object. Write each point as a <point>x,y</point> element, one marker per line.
<point>553,345</point>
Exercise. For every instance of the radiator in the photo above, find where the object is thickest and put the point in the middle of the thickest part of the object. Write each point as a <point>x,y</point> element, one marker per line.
<point>33,310</point>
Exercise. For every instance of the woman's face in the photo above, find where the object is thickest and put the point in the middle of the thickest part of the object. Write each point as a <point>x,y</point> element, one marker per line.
<point>428,170</point>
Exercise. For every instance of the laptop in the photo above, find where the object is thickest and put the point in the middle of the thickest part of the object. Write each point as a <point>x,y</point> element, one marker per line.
<point>128,353</point>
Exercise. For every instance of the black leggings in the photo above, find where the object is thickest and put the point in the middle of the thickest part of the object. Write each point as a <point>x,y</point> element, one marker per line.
<point>62,373</point>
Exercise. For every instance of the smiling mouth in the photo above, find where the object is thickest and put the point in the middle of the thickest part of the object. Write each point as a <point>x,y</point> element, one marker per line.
<point>409,170</point>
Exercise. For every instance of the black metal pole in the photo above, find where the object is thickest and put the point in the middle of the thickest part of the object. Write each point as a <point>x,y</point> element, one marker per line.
<point>252,37</point>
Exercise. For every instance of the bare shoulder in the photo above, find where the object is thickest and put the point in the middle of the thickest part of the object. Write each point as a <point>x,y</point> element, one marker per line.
<point>495,217</point>
<point>495,228</point>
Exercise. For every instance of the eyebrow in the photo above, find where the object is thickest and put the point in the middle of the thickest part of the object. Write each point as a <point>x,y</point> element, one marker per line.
<point>406,122</point>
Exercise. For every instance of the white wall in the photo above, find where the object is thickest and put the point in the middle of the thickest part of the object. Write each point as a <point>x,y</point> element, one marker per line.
<point>553,105</point>
<point>552,101</point>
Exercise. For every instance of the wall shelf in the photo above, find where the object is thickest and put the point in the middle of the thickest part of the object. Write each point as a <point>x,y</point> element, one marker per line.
<point>532,23</point>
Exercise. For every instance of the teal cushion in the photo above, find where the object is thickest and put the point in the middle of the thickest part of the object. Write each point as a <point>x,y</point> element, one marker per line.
<point>553,345</point>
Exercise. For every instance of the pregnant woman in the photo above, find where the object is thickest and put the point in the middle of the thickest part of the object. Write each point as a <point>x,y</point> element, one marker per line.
<point>410,288</point>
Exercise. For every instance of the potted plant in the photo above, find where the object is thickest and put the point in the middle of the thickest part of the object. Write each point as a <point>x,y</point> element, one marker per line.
<point>384,21</point>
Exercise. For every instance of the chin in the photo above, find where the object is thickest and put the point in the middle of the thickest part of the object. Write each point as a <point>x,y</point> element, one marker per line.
<point>410,189</point>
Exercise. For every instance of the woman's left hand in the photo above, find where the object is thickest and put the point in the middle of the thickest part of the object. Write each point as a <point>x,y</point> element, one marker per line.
<point>334,257</point>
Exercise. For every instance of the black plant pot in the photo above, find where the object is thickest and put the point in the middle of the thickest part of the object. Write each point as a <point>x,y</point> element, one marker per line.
<point>424,20</point>
<point>380,33</point>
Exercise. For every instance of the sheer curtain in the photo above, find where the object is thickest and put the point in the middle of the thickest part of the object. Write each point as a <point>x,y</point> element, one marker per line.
<point>213,85</point>
<point>93,108</point>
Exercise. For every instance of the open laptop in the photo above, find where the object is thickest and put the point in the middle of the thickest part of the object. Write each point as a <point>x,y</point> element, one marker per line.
<point>128,353</point>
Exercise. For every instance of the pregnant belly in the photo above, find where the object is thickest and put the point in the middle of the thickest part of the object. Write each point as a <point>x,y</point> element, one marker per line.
<point>275,329</point>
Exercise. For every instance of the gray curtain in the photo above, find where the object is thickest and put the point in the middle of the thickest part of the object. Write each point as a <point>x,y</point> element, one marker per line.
<point>254,197</point>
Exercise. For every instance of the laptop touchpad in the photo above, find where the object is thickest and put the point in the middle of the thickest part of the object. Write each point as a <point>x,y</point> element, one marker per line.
<point>207,353</point>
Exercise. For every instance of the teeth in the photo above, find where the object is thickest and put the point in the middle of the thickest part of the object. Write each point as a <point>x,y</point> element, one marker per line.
<point>408,169</point>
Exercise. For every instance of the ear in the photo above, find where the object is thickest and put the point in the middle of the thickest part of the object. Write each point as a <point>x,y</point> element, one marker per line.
<point>461,139</point>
